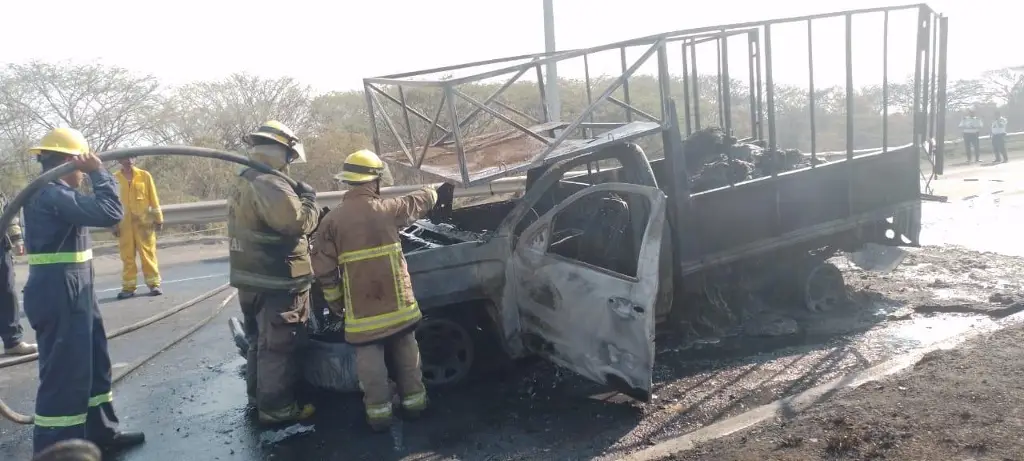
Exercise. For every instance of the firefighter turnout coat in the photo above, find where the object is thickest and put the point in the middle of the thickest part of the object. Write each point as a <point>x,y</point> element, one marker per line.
<point>268,224</point>
<point>358,257</point>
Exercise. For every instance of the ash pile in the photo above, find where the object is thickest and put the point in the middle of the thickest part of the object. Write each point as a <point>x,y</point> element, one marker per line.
<point>715,159</point>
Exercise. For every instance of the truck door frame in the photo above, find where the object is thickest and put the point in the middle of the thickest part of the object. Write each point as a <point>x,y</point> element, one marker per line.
<point>635,171</point>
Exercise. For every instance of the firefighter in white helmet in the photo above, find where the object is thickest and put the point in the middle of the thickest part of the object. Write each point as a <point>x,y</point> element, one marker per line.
<point>359,263</point>
<point>268,226</point>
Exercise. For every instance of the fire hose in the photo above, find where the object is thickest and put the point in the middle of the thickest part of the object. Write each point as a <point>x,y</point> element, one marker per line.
<point>15,206</point>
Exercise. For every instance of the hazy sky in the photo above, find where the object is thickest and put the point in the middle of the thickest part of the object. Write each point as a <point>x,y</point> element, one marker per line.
<point>332,45</point>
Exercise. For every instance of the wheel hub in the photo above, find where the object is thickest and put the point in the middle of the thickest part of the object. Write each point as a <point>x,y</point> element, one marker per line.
<point>824,288</point>
<point>446,350</point>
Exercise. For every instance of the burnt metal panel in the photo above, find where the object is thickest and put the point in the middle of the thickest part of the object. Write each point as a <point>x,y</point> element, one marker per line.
<point>737,222</point>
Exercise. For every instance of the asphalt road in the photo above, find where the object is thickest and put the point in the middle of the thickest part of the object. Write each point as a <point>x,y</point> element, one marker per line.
<point>191,402</point>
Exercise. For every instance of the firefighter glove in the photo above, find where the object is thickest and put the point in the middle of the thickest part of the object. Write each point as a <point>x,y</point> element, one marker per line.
<point>443,208</point>
<point>305,191</point>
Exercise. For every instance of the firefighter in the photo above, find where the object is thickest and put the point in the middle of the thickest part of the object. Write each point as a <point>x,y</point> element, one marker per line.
<point>359,262</point>
<point>268,226</point>
<point>136,234</point>
<point>10,325</point>
<point>74,399</point>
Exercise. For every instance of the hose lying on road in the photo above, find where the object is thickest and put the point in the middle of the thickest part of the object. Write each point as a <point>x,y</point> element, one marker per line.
<point>15,206</point>
<point>135,326</point>
<point>9,413</point>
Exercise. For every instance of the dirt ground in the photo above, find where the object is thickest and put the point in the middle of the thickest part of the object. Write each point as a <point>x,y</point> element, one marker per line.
<point>945,279</point>
<point>965,403</point>
<point>976,413</point>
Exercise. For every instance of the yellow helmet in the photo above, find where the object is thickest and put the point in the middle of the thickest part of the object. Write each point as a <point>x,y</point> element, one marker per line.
<point>67,141</point>
<point>361,166</point>
<point>277,132</point>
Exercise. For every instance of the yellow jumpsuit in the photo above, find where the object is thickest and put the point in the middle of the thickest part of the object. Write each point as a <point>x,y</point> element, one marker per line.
<point>137,233</point>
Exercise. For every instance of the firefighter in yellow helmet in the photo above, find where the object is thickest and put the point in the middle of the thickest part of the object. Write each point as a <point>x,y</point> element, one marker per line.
<point>359,263</point>
<point>268,225</point>
<point>74,399</point>
<point>136,234</point>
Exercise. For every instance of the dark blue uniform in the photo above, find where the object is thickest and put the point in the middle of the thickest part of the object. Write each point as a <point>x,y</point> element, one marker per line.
<point>74,399</point>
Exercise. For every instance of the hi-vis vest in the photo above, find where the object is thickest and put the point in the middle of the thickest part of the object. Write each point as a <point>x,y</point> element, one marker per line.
<point>261,258</point>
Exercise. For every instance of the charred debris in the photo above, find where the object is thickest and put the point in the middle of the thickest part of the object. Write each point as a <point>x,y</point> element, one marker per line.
<point>715,159</point>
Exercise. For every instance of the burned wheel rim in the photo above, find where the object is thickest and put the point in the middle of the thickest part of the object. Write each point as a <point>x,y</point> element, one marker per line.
<point>824,288</point>
<point>446,350</point>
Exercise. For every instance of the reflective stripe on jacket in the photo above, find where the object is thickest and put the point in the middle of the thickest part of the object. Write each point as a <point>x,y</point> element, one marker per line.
<point>267,227</point>
<point>57,219</point>
<point>358,257</point>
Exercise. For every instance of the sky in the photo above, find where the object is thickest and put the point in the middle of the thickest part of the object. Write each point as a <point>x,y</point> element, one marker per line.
<point>333,45</point>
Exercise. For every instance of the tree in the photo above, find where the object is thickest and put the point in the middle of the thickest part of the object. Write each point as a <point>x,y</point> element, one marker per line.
<point>111,106</point>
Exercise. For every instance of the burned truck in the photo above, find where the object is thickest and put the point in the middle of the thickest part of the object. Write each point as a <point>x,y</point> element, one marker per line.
<point>606,242</point>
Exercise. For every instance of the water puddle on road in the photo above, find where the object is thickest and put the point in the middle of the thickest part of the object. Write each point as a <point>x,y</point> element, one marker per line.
<point>983,224</point>
<point>922,331</point>
<point>986,223</point>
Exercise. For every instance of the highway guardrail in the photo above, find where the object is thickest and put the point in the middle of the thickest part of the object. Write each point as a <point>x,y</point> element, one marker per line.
<point>216,210</point>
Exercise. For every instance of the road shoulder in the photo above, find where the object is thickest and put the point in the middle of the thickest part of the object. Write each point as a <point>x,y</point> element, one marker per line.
<point>961,402</point>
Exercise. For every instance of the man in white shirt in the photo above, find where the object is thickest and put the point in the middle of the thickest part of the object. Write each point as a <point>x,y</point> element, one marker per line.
<point>971,125</point>
<point>999,138</point>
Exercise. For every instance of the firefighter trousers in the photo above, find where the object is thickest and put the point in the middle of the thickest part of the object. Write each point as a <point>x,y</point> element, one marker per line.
<point>74,399</point>
<point>137,238</point>
<point>276,330</point>
<point>403,353</point>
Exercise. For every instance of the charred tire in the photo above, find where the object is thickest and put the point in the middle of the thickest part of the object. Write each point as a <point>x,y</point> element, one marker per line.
<point>447,355</point>
<point>447,350</point>
<point>823,288</point>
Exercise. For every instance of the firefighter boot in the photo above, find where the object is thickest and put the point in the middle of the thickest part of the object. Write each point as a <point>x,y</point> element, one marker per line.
<point>413,406</point>
<point>290,414</point>
<point>121,441</point>
<point>379,417</point>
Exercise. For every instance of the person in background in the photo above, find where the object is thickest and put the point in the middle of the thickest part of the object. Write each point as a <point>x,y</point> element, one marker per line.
<point>971,125</point>
<point>136,233</point>
<point>999,138</point>
<point>10,324</point>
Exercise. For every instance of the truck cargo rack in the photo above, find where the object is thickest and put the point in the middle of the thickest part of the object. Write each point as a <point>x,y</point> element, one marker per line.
<point>448,150</point>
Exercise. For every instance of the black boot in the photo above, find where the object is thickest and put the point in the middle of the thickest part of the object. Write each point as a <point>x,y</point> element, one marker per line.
<point>122,440</point>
